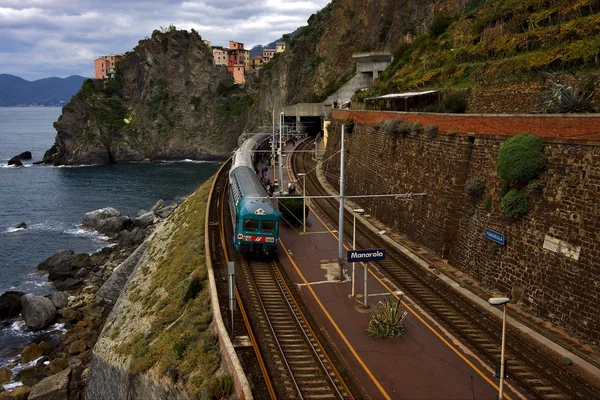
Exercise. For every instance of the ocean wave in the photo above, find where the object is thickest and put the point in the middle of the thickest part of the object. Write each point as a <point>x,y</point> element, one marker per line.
<point>14,166</point>
<point>11,386</point>
<point>13,230</point>
<point>84,232</point>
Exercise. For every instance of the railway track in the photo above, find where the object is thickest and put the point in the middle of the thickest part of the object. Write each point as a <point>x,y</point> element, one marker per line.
<point>536,375</point>
<point>293,361</point>
<point>296,356</point>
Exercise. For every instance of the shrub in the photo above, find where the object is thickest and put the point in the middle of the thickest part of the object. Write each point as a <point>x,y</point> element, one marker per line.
<point>455,103</point>
<point>475,188</point>
<point>431,131</point>
<point>291,210</point>
<point>349,125</point>
<point>515,204</point>
<point>535,187</point>
<point>488,204</point>
<point>220,387</point>
<point>387,320</point>
<point>473,5</point>
<point>563,99</point>
<point>194,287</point>
<point>521,159</point>
<point>440,24</point>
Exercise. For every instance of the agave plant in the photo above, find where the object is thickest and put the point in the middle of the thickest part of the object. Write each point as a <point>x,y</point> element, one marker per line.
<point>387,320</point>
<point>565,99</point>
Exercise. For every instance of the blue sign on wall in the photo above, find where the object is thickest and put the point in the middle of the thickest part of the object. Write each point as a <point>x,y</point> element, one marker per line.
<point>494,236</point>
<point>366,255</point>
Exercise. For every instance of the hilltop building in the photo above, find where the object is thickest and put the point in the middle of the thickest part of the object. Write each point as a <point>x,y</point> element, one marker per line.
<point>255,63</point>
<point>280,47</point>
<point>268,55</point>
<point>220,55</point>
<point>104,66</point>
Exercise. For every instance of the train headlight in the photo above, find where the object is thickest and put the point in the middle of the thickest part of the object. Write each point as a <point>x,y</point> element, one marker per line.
<point>270,239</point>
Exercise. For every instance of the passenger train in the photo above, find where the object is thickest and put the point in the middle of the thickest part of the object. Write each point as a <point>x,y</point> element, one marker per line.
<point>255,219</point>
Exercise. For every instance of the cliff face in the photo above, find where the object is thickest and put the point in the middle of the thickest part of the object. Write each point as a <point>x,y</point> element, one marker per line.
<point>168,101</point>
<point>319,59</point>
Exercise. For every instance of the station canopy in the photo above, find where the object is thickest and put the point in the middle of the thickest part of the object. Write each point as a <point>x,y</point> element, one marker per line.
<point>407,95</point>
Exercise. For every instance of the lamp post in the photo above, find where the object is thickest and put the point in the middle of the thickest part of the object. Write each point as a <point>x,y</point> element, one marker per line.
<point>303,175</point>
<point>501,301</point>
<point>280,156</point>
<point>354,212</point>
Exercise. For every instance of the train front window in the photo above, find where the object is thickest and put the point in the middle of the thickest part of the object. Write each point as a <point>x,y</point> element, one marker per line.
<point>268,226</point>
<point>251,225</point>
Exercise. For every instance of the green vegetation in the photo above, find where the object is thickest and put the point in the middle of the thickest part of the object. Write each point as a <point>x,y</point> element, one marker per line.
<point>521,159</point>
<point>233,105</point>
<point>455,103</point>
<point>291,210</point>
<point>565,99</point>
<point>219,388</point>
<point>387,320</point>
<point>515,204</point>
<point>498,41</point>
<point>476,188</point>
<point>179,343</point>
<point>104,98</point>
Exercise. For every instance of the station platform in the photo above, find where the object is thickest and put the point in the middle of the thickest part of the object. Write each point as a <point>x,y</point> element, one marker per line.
<point>427,362</point>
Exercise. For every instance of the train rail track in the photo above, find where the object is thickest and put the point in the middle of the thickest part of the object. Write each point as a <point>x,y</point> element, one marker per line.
<point>292,358</point>
<point>536,375</point>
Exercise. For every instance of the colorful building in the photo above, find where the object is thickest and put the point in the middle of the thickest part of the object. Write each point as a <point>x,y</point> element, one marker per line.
<point>235,62</point>
<point>268,55</point>
<point>255,63</point>
<point>220,55</point>
<point>280,47</point>
<point>104,66</point>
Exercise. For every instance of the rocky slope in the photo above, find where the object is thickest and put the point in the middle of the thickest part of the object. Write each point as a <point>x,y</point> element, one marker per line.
<point>319,59</point>
<point>168,101</point>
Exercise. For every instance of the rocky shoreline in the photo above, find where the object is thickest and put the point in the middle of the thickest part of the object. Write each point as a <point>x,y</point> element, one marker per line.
<point>57,367</point>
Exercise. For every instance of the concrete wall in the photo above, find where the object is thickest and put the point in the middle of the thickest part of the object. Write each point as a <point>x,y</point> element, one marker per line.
<point>551,261</point>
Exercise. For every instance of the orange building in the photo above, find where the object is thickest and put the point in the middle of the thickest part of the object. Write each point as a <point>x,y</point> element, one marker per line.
<point>104,66</point>
<point>235,63</point>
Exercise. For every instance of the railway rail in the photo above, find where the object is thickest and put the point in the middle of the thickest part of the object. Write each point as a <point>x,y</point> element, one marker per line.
<point>535,374</point>
<point>289,351</point>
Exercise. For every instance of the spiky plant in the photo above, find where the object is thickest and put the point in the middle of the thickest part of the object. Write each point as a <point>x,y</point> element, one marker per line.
<point>387,320</point>
<point>565,99</point>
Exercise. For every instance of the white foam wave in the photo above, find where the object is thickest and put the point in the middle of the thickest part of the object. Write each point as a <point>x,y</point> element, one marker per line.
<point>84,232</point>
<point>14,166</point>
<point>11,386</point>
<point>13,230</point>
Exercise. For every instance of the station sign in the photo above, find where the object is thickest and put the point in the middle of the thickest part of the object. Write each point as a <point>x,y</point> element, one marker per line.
<point>494,236</point>
<point>366,255</point>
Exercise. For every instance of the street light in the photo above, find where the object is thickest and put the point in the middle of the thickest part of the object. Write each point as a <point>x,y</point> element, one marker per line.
<point>303,175</point>
<point>280,155</point>
<point>501,301</point>
<point>354,212</point>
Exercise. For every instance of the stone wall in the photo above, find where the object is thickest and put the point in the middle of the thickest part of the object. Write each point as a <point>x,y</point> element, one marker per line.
<point>551,260</point>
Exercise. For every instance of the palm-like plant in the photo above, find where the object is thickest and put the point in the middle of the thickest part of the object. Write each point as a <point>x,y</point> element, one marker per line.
<point>565,99</point>
<point>387,320</point>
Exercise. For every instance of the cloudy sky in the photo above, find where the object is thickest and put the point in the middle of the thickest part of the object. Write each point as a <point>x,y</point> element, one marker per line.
<point>42,38</point>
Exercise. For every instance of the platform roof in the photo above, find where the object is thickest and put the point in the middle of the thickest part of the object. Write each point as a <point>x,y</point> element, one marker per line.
<point>406,95</point>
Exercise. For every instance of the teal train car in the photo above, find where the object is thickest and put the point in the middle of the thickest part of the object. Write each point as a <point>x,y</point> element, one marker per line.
<point>255,219</point>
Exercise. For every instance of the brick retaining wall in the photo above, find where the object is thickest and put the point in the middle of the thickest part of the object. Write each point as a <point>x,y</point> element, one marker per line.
<point>450,223</point>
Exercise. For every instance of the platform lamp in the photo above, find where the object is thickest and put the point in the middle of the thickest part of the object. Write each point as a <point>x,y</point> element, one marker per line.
<point>303,175</point>
<point>354,212</point>
<point>501,301</point>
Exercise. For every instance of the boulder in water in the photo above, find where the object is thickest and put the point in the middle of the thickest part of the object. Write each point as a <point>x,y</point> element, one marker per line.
<point>16,161</point>
<point>107,221</point>
<point>70,266</point>
<point>144,219</point>
<point>31,352</point>
<point>159,204</point>
<point>26,155</point>
<point>55,260</point>
<point>38,311</point>
<point>67,284</point>
<point>10,304</point>
<point>5,375</point>
<point>21,225</point>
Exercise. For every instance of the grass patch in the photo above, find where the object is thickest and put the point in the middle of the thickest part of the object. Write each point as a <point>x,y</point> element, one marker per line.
<point>175,297</point>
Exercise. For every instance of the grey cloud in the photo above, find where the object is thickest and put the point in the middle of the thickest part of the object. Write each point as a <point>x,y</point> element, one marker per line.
<point>59,38</point>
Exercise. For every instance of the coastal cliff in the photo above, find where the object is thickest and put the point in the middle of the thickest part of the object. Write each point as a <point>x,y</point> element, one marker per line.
<point>167,102</point>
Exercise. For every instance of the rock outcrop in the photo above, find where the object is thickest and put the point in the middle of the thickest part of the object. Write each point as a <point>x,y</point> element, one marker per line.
<point>10,304</point>
<point>38,311</point>
<point>107,221</point>
<point>168,101</point>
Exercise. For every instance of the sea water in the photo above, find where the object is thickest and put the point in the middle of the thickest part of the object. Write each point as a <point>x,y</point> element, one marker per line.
<point>51,201</point>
